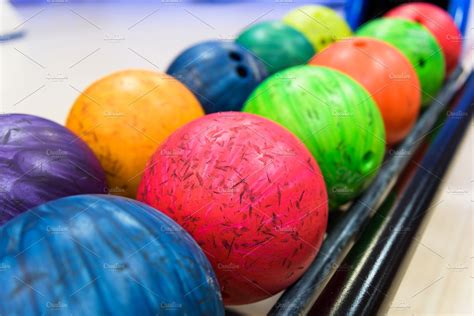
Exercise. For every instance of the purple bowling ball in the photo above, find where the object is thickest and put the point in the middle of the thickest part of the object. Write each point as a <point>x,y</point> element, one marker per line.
<point>41,161</point>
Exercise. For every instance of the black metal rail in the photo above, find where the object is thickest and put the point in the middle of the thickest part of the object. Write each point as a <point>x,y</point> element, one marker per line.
<point>361,289</point>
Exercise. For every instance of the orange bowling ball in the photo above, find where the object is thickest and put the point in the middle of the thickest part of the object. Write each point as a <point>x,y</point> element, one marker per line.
<point>125,116</point>
<point>385,73</point>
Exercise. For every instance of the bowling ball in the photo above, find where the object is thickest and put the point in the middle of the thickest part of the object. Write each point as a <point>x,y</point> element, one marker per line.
<point>278,45</point>
<point>439,23</point>
<point>103,255</point>
<point>41,161</point>
<point>249,193</point>
<point>336,119</point>
<point>221,74</point>
<point>125,116</point>
<point>418,45</point>
<point>321,25</point>
<point>392,82</point>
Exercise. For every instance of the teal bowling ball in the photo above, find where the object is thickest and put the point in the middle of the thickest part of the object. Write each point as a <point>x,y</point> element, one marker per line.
<point>277,45</point>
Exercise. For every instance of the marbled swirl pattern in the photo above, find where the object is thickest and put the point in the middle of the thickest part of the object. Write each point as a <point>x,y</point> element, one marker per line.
<point>221,74</point>
<point>102,255</point>
<point>276,44</point>
<point>334,116</point>
<point>125,116</point>
<point>321,25</point>
<point>41,161</point>
<point>418,45</point>
<point>249,193</point>
<point>393,82</point>
<point>439,23</point>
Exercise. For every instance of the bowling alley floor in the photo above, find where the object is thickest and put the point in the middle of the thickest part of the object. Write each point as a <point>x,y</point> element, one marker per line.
<point>67,46</point>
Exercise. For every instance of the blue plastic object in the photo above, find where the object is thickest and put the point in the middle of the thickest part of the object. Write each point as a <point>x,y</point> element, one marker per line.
<point>102,255</point>
<point>459,10</point>
<point>356,11</point>
<point>221,74</point>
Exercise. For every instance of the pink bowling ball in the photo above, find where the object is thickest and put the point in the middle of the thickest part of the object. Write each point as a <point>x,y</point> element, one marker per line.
<point>251,195</point>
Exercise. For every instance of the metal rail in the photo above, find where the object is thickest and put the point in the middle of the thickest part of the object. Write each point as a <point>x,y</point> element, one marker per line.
<point>362,289</point>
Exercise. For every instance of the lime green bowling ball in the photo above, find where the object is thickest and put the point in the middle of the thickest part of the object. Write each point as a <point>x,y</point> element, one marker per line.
<point>321,25</point>
<point>418,45</point>
<point>277,45</point>
<point>334,117</point>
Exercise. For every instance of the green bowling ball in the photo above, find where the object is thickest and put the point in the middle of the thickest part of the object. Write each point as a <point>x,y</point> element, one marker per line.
<point>334,116</point>
<point>417,44</point>
<point>277,45</point>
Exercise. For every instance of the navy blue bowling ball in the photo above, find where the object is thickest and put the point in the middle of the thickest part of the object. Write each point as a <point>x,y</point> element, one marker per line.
<point>221,74</point>
<point>102,255</point>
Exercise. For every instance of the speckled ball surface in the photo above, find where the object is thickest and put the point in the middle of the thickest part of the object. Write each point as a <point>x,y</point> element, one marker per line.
<point>103,255</point>
<point>249,193</point>
<point>221,74</point>
<point>40,161</point>
<point>336,119</point>
<point>125,116</point>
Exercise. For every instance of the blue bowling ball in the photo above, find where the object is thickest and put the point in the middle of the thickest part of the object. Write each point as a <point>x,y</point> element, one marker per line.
<point>221,74</point>
<point>102,255</point>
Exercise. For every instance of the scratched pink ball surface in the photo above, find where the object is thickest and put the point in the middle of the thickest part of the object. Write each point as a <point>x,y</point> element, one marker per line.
<point>249,193</point>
